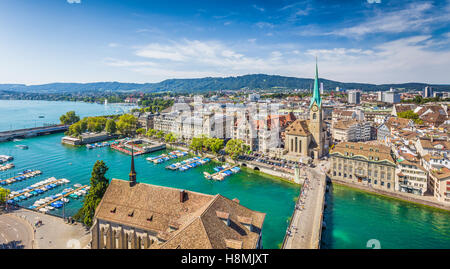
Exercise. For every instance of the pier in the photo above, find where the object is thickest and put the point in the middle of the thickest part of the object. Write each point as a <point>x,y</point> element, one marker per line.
<point>30,132</point>
<point>60,197</point>
<point>20,194</point>
<point>14,177</point>
<point>305,228</point>
<point>221,171</point>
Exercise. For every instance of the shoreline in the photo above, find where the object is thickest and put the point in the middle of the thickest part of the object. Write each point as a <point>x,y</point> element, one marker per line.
<point>393,196</point>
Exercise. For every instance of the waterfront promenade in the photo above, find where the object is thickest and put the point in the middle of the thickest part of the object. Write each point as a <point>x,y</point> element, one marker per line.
<point>304,231</point>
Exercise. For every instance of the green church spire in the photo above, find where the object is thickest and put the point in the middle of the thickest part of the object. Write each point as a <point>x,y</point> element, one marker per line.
<point>316,93</point>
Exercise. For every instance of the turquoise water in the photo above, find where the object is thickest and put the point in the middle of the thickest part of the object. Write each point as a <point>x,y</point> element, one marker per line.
<point>255,191</point>
<point>19,114</point>
<point>354,217</point>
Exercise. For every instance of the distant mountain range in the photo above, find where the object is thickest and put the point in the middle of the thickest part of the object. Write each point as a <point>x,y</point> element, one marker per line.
<point>253,82</point>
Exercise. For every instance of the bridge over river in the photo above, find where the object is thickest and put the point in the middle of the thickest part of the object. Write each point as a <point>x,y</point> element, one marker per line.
<point>30,132</point>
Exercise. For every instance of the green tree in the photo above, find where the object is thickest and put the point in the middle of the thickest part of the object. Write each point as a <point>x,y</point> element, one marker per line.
<point>4,195</point>
<point>235,147</point>
<point>151,133</point>
<point>99,184</point>
<point>197,144</point>
<point>69,118</point>
<point>409,114</point>
<point>127,124</point>
<point>160,134</point>
<point>215,144</point>
<point>140,131</point>
<point>111,127</point>
<point>169,138</point>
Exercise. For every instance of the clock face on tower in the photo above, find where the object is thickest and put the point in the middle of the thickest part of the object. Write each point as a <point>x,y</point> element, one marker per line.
<point>314,108</point>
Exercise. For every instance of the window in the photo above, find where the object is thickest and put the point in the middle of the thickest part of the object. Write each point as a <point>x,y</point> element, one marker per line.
<point>389,185</point>
<point>314,116</point>
<point>375,182</point>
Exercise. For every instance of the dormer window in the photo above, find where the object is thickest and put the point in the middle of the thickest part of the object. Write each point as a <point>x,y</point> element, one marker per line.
<point>247,222</point>
<point>150,218</point>
<point>224,216</point>
<point>131,213</point>
<point>113,210</point>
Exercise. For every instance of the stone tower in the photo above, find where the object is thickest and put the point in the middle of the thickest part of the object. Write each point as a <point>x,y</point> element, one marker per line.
<point>316,126</point>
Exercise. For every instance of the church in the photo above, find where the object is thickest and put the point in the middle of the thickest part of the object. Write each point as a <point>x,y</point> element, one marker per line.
<point>133,215</point>
<point>308,138</point>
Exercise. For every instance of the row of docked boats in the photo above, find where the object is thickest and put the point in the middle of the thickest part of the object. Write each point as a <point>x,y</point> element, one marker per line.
<point>101,145</point>
<point>165,157</point>
<point>35,189</point>
<point>46,204</point>
<point>6,166</point>
<point>222,171</point>
<point>21,176</point>
<point>188,164</point>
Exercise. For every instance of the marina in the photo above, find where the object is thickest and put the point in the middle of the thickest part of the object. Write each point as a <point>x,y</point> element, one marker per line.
<point>6,166</point>
<point>49,202</point>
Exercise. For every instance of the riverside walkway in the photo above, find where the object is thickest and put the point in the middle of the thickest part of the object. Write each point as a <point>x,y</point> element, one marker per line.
<point>29,132</point>
<point>305,229</point>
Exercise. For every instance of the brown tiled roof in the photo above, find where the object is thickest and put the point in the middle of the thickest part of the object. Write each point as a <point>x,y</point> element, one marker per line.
<point>427,144</point>
<point>397,123</point>
<point>344,124</point>
<point>234,244</point>
<point>404,107</point>
<point>442,173</point>
<point>365,150</point>
<point>342,113</point>
<point>155,208</point>
<point>298,127</point>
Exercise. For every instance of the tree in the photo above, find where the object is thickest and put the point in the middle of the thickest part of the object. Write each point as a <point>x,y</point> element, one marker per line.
<point>69,118</point>
<point>409,114</point>
<point>197,143</point>
<point>235,147</point>
<point>151,132</point>
<point>160,134</point>
<point>140,131</point>
<point>111,127</point>
<point>169,138</point>
<point>127,124</point>
<point>99,184</point>
<point>4,195</point>
<point>215,144</point>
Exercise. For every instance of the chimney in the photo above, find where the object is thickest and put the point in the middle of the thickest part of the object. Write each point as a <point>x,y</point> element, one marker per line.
<point>236,200</point>
<point>183,195</point>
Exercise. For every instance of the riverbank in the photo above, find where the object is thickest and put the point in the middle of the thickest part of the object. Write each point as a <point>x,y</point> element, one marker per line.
<point>396,196</point>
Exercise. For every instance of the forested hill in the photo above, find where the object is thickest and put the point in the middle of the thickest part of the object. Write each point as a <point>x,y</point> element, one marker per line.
<point>256,81</point>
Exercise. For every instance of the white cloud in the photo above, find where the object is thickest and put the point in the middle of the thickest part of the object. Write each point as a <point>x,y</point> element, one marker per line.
<point>374,1</point>
<point>258,8</point>
<point>411,18</point>
<point>402,60</point>
<point>74,1</point>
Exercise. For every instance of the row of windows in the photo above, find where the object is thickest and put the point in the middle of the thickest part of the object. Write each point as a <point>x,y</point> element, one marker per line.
<point>369,175</point>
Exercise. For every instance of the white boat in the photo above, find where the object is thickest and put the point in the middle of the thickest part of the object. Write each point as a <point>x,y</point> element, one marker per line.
<point>49,207</point>
<point>82,192</point>
<point>43,210</point>
<point>65,200</point>
<point>77,185</point>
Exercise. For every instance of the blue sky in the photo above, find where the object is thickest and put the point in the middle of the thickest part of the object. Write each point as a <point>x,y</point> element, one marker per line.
<point>374,41</point>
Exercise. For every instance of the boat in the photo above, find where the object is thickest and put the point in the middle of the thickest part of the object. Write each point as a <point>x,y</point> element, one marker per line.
<point>77,185</point>
<point>49,207</point>
<point>43,210</point>
<point>65,200</point>
<point>207,175</point>
<point>22,146</point>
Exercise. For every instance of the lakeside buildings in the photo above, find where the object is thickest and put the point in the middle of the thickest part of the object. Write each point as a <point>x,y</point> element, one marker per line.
<point>134,215</point>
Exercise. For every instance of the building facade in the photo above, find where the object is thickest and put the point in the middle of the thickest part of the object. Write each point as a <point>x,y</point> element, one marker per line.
<point>366,164</point>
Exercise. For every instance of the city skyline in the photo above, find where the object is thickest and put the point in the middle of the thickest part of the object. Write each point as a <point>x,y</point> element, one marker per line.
<point>137,41</point>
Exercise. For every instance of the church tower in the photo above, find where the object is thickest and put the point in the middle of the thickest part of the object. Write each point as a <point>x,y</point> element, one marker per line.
<point>315,119</point>
<point>132,174</point>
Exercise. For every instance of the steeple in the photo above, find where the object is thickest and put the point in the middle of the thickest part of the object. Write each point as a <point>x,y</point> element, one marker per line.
<point>132,174</point>
<point>316,93</point>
